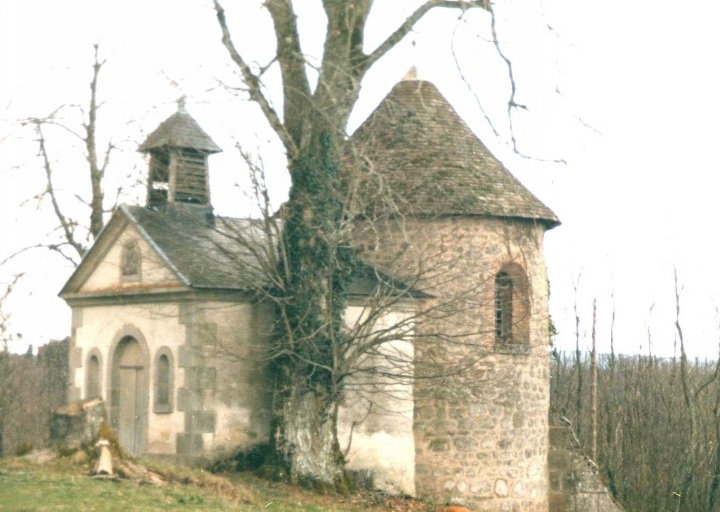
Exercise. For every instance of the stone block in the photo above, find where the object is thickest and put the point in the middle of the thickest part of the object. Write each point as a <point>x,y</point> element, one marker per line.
<point>422,469</point>
<point>73,394</point>
<point>189,356</point>
<point>559,459</point>
<point>439,445</point>
<point>569,481</point>
<point>465,444</point>
<point>200,378</point>
<point>75,357</point>
<point>202,333</point>
<point>519,419</point>
<point>561,437</point>
<point>587,502</point>
<point>501,488</point>
<point>555,481</point>
<point>504,444</point>
<point>77,317</point>
<point>76,425</point>
<point>189,400</point>
<point>189,444</point>
<point>202,422</point>
<point>189,313</point>
<point>561,503</point>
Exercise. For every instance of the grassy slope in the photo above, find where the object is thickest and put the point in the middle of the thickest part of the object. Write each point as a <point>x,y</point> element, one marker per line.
<point>63,486</point>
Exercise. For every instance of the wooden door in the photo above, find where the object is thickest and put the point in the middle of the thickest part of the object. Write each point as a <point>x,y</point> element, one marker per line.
<point>130,411</point>
<point>129,414</point>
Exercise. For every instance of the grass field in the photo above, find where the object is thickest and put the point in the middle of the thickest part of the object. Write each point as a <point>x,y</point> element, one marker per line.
<point>62,485</point>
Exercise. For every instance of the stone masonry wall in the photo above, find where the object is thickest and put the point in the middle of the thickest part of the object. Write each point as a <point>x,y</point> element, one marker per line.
<point>481,406</point>
<point>575,485</point>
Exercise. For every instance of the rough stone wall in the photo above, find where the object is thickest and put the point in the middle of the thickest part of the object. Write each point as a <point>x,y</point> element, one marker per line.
<point>575,485</point>
<point>481,407</point>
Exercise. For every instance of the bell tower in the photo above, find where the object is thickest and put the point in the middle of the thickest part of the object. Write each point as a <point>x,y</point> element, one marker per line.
<point>179,151</point>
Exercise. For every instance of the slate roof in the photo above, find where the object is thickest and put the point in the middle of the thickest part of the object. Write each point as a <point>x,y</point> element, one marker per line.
<point>204,252</point>
<point>428,160</point>
<point>180,130</point>
<point>228,253</point>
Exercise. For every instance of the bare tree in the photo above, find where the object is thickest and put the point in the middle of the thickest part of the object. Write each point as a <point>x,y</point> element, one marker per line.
<point>713,504</point>
<point>578,361</point>
<point>319,260</point>
<point>593,387</point>
<point>692,395</point>
<point>658,420</point>
<point>75,233</point>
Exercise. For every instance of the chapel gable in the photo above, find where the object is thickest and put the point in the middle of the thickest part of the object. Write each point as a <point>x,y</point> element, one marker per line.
<point>128,264</point>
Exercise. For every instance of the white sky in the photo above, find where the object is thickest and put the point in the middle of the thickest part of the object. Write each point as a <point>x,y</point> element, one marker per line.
<point>637,196</point>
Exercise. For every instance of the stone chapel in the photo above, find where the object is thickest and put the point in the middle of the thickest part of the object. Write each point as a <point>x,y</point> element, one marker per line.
<point>168,328</point>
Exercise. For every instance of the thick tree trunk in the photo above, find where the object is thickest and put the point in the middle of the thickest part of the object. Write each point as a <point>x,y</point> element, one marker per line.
<point>305,436</point>
<point>310,337</point>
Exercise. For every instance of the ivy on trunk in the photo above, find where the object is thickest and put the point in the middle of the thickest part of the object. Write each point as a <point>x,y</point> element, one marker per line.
<point>310,334</point>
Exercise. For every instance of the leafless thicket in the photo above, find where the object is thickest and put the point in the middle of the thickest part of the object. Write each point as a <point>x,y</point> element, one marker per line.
<point>30,387</point>
<point>657,424</point>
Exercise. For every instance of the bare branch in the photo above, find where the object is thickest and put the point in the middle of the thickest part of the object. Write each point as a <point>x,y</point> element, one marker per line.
<point>254,84</point>
<point>67,224</point>
<point>296,88</point>
<point>96,171</point>
<point>411,20</point>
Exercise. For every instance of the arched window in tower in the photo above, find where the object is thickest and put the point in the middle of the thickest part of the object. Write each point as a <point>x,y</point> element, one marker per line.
<point>511,306</point>
<point>93,388</point>
<point>130,260</point>
<point>503,307</point>
<point>164,381</point>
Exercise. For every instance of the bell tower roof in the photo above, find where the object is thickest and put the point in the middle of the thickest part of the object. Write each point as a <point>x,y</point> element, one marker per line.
<point>179,130</point>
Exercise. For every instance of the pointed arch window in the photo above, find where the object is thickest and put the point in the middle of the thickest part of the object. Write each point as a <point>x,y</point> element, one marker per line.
<point>130,261</point>
<point>511,306</point>
<point>164,381</point>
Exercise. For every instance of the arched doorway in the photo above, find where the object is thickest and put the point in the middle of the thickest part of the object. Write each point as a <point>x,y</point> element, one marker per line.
<point>129,395</point>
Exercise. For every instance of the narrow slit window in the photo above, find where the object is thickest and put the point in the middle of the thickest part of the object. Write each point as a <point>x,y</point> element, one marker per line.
<point>503,306</point>
<point>93,389</point>
<point>164,382</point>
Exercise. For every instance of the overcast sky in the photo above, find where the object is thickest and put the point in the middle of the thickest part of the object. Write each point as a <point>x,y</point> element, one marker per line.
<point>625,94</point>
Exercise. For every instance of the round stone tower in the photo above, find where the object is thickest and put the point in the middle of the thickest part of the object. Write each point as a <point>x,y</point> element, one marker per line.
<point>443,215</point>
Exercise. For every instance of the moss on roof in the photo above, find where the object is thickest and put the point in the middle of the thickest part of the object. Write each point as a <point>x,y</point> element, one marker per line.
<point>419,156</point>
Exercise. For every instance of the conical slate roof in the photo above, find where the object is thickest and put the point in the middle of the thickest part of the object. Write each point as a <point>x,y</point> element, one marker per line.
<point>180,130</point>
<point>424,160</point>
